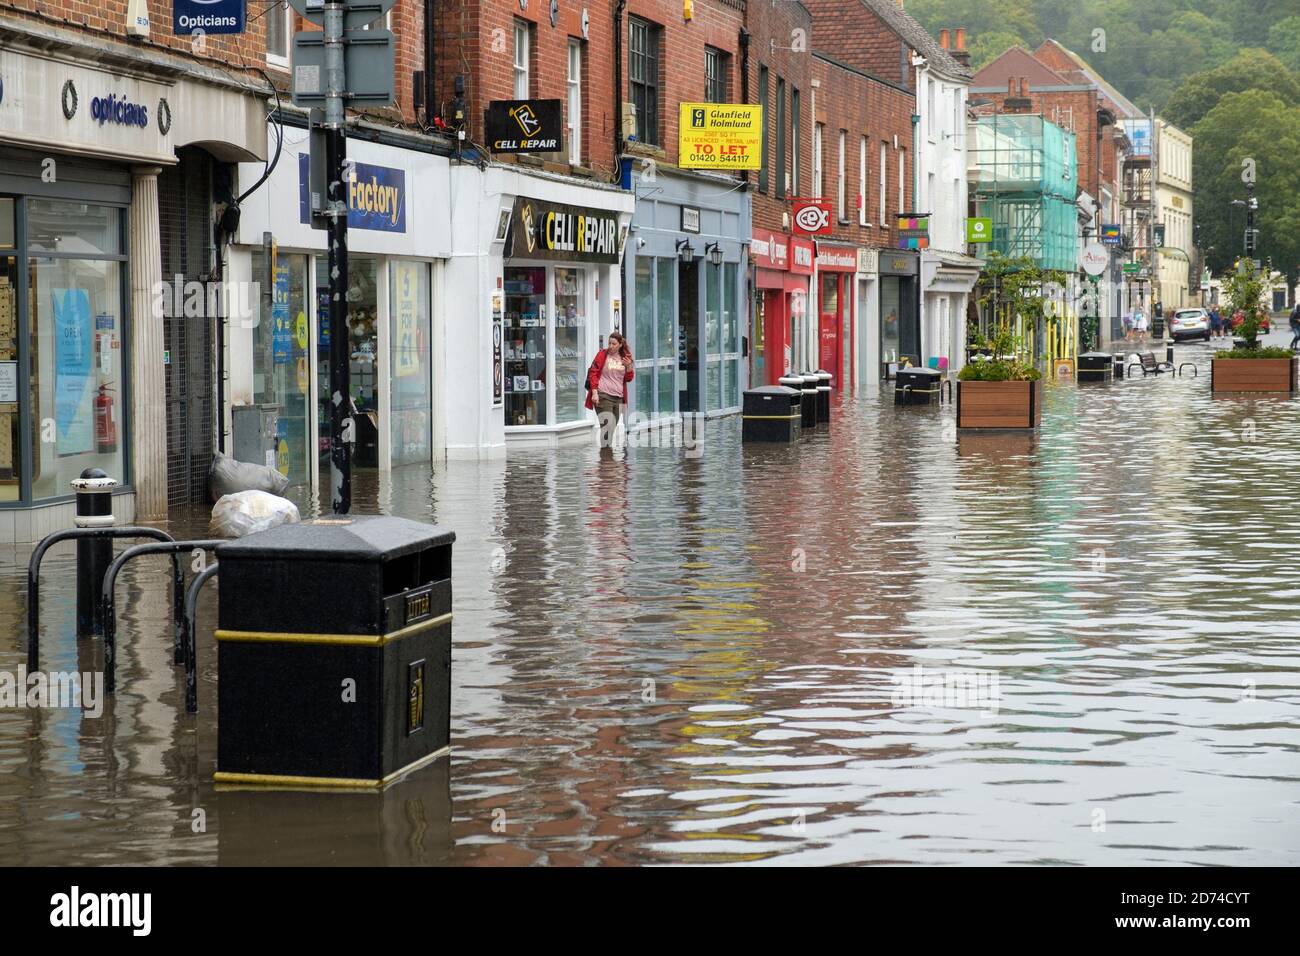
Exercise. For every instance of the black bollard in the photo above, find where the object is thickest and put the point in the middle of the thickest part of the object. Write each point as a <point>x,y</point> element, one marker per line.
<point>94,490</point>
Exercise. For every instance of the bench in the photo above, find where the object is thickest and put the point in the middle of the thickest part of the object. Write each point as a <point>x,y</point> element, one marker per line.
<point>1148,364</point>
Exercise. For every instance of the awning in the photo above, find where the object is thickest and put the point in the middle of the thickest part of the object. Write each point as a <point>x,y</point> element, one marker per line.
<point>943,271</point>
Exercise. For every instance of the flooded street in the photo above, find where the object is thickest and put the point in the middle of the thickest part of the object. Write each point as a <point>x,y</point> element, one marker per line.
<point>714,659</point>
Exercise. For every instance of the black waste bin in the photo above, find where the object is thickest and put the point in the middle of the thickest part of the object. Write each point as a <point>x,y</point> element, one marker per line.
<point>334,652</point>
<point>823,396</point>
<point>1119,362</point>
<point>1095,367</point>
<point>772,413</point>
<point>917,386</point>
<point>810,418</point>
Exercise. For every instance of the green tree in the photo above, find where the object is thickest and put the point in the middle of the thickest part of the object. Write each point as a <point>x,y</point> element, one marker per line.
<point>1284,41</point>
<point>1250,69</point>
<point>987,47</point>
<point>1261,127</point>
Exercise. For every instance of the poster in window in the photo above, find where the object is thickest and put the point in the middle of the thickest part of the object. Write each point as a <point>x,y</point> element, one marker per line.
<point>281,332</point>
<point>72,360</point>
<point>405,310</point>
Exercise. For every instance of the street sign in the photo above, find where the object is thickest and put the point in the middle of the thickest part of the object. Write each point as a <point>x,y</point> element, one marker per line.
<point>368,65</point>
<point>1132,268</point>
<point>356,13</point>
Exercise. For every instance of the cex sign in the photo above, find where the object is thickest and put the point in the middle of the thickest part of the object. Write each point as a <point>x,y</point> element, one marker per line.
<point>812,217</point>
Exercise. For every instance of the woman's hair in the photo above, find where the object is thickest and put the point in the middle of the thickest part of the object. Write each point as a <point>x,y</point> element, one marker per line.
<point>624,352</point>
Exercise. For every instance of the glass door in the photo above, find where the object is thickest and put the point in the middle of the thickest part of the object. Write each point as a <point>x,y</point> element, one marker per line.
<point>713,335</point>
<point>570,344</point>
<point>11,443</point>
<point>281,354</point>
<point>654,342</point>
<point>688,336</point>
<point>731,326</point>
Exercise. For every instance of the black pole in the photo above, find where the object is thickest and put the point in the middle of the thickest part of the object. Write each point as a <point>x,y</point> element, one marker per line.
<point>340,390</point>
<point>94,509</point>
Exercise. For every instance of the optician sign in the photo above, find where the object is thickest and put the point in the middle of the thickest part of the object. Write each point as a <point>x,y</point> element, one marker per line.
<point>376,196</point>
<point>542,230</point>
<point>211,17</point>
<point>720,136</point>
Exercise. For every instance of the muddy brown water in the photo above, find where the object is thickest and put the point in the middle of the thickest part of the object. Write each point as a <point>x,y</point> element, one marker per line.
<point>667,659</point>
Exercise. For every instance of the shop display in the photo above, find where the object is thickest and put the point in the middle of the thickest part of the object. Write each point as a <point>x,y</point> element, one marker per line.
<point>525,346</point>
<point>570,338</point>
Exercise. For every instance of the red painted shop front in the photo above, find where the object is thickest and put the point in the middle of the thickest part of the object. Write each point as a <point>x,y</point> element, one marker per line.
<point>836,266</point>
<point>780,298</point>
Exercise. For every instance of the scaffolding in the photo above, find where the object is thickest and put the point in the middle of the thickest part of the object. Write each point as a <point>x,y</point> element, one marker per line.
<point>1028,181</point>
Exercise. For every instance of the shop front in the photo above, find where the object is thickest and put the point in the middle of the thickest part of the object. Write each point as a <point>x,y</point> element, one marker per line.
<point>836,266</point>
<point>685,288</point>
<point>899,309</point>
<point>82,352</point>
<point>782,269</point>
<point>947,279</point>
<point>280,360</point>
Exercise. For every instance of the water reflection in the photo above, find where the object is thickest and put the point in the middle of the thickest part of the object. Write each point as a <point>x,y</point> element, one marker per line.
<point>661,658</point>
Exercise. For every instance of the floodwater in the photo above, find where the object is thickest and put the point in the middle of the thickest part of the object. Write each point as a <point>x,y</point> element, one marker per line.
<point>672,658</point>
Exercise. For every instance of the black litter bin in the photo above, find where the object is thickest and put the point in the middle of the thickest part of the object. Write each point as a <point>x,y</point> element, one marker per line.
<point>772,413</point>
<point>334,652</point>
<point>810,381</point>
<point>1095,367</point>
<point>823,396</point>
<point>1119,362</point>
<point>917,386</point>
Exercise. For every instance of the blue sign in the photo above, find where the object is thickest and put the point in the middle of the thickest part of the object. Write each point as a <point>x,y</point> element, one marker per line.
<point>72,405</point>
<point>281,334</point>
<point>209,17</point>
<point>376,197</point>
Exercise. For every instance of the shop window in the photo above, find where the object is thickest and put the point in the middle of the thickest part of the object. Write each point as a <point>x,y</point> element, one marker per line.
<point>794,142</point>
<point>282,360</point>
<point>817,160</point>
<point>525,345</point>
<point>12,445</point>
<point>889,328</point>
<point>410,364</point>
<point>730,337</point>
<point>363,349</point>
<point>278,31</point>
<point>666,337</point>
<point>73,228</point>
<point>643,77</point>
<point>643,335</point>
<point>780,138</point>
<point>713,336</point>
<point>570,344</point>
<point>75,314</point>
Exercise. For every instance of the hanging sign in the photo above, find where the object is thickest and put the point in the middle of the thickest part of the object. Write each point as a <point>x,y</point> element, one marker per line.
<point>524,126</point>
<point>1094,259</point>
<point>979,230</point>
<point>913,232</point>
<point>812,217</point>
<point>1110,234</point>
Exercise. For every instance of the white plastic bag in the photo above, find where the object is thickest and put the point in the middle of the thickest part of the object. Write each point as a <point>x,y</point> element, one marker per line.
<point>247,512</point>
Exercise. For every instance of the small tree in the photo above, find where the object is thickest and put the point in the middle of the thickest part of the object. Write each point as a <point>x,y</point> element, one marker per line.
<point>1014,287</point>
<point>1243,290</point>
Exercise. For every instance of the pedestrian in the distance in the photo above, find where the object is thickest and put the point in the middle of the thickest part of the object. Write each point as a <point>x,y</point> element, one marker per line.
<point>607,380</point>
<point>1216,323</point>
<point>1295,326</point>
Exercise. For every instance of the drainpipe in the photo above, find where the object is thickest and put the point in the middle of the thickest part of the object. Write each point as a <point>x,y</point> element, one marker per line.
<point>618,84</point>
<point>744,88</point>
<point>430,65</point>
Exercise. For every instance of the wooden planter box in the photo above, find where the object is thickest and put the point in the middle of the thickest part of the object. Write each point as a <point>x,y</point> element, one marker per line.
<point>1253,374</point>
<point>999,404</point>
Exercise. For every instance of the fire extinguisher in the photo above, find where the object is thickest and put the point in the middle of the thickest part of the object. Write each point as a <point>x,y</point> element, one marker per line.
<point>105,427</point>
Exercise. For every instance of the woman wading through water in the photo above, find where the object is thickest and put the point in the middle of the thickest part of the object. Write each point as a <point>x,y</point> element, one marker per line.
<point>607,380</point>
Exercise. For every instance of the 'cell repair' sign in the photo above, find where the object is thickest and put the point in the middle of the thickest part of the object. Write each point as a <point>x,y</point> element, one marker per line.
<point>722,136</point>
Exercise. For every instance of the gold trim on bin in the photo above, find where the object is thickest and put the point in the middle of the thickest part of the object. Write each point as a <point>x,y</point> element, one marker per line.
<point>287,781</point>
<point>352,640</point>
<point>768,418</point>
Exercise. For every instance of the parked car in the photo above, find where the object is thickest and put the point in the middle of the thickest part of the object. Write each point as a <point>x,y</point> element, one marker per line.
<point>1190,324</point>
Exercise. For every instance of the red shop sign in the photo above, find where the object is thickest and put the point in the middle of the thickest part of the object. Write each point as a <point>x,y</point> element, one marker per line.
<point>812,217</point>
<point>801,256</point>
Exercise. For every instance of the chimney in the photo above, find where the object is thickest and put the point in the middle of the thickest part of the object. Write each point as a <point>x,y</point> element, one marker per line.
<point>1021,103</point>
<point>959,52</point>
<point>943,39</point>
